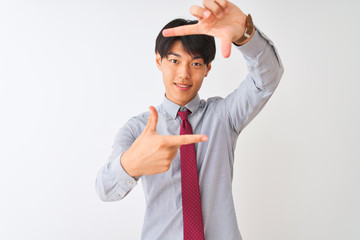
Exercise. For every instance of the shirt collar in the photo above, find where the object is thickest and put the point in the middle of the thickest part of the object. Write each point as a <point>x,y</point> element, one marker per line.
<point>172,108</point>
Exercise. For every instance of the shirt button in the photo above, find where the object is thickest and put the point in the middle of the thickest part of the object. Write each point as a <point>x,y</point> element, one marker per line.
<point>129,182</point>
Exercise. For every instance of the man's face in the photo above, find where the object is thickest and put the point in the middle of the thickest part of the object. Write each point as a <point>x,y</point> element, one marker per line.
<point>183,74</point>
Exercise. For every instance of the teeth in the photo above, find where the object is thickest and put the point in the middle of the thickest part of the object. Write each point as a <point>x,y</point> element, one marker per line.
<point>183,86</point>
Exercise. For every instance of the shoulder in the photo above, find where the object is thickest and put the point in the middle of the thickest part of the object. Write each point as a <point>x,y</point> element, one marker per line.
<point>141,119</point>
<point>213,100</point>
<point>210,102</point>
<point>214,106</point>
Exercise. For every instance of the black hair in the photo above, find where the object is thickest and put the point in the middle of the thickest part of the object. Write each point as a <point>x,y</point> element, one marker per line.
<point>199,44</point>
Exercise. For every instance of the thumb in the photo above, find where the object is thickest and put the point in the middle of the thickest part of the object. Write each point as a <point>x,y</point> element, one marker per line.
<point>152,121</point>
<point>226,48</point>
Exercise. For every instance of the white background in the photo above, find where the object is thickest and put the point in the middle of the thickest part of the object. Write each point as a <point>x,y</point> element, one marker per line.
<point>73,72</point>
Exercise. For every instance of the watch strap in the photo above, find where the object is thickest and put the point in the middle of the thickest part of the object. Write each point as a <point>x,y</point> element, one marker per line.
<point>249,28</point>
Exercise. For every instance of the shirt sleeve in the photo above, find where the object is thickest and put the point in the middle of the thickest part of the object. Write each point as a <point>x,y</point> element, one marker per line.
<point>265,70</point>
<point>112,182</point>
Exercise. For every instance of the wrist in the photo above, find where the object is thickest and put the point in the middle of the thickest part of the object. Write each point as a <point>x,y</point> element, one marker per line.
<point>248,33</point>
<point>127,165</point>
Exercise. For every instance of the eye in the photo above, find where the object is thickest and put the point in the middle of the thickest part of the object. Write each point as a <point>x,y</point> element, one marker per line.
<point>174,61</point>
<point>196,64</point>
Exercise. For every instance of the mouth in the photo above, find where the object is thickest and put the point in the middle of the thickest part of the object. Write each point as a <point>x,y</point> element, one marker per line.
<point>182,86</point>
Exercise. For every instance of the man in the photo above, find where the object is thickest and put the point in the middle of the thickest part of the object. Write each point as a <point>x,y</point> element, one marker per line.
<point>149,146</point>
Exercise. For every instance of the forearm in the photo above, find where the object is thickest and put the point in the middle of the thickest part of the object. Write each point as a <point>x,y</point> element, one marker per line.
<point>263,62</point>
<point>112,182</point>
<point>265,71</point>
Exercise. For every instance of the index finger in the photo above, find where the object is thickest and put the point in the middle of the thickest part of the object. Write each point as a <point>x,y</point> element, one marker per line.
<point>181,31</point>
<point>186,139</point>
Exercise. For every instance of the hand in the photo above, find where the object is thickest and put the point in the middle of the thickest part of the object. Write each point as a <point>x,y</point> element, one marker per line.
<point>152,153</point>
<point>218,18</point>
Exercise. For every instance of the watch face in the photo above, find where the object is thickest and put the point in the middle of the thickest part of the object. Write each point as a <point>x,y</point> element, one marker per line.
<point>247,35</point>
<point>249,26</point>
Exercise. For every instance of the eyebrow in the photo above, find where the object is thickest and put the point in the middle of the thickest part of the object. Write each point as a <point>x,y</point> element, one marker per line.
<point>179,56</point>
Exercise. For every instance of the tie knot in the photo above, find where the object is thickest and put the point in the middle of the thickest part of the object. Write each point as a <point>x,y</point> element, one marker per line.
<point>184,114</point>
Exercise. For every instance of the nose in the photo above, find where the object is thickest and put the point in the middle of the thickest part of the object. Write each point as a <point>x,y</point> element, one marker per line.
<point>184,71</point>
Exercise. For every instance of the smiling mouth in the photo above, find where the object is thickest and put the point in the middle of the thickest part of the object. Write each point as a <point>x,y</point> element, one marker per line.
<point>183,86</point>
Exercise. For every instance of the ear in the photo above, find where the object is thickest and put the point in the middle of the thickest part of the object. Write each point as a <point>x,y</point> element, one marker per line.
<point>158,60</point>
<point>208,67</point>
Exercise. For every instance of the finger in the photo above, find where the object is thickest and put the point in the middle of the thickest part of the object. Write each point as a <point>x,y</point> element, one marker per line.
<point>222,3</point>
<point>207,13</point>
<point>214,7</point>
<point>152,121</point>
<point>181,31</point>
<point>186,139</point>
<point>197,12</point>
<point>225,48</point>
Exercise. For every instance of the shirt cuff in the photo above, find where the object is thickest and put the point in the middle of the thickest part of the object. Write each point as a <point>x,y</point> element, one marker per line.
<point>126,182</point>
<point>256,45</point>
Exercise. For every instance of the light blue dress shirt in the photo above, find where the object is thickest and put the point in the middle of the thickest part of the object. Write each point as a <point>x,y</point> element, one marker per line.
<point>222,120</point>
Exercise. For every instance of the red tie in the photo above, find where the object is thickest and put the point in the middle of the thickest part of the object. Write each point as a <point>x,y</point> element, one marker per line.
<point>191,200</point>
